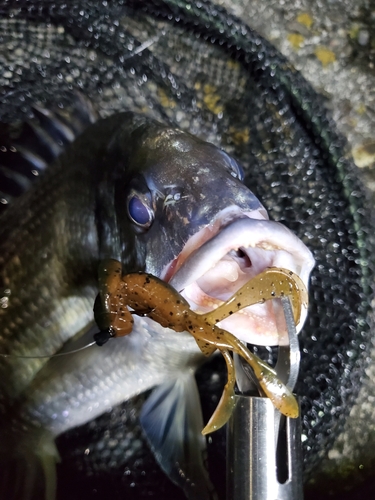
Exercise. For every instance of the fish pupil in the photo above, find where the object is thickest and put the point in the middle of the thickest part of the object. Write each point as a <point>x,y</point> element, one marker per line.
<point>139,212</point>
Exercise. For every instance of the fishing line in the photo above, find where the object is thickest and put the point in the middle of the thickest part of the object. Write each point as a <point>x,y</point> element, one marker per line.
<point>100,338</point>
<point>48,355</point>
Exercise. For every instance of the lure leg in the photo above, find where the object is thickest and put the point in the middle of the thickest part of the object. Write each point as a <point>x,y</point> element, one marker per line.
<point>226,404</point>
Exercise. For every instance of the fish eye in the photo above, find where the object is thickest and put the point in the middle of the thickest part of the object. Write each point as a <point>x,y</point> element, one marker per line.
<point>139,211</point>
<point>234,168</point>
<point>237,168</point>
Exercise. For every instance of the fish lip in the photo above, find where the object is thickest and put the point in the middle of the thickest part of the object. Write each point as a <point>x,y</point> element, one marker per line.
<point>268,243</point>
<point>222,220</point>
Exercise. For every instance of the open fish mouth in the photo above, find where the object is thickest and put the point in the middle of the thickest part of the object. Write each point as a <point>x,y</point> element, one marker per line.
<point>221,258</point>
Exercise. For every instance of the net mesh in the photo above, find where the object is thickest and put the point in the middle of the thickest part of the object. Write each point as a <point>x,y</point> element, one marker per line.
<point>195,66</point>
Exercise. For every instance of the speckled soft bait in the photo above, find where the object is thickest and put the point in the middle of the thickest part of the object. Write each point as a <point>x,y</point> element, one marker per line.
<point>147,295</point>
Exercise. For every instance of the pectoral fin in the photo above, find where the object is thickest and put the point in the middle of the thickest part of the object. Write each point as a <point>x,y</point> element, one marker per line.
<point>172,421</point>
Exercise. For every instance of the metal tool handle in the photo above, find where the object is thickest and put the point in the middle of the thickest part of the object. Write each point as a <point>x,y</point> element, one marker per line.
<point>256,469</point>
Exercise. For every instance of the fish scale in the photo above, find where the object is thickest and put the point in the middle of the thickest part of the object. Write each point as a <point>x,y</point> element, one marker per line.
<point>295,159</point>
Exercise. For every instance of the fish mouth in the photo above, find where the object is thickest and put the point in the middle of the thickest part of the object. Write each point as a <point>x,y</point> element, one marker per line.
<point>220,258</point>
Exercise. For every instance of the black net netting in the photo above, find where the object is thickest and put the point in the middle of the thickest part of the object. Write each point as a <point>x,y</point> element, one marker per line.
<point>195,66</point>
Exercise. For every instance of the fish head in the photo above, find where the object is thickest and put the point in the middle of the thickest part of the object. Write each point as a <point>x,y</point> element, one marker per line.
<point>203,231</point>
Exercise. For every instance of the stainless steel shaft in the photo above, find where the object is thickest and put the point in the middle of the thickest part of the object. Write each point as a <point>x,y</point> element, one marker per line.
<point>257,470</point>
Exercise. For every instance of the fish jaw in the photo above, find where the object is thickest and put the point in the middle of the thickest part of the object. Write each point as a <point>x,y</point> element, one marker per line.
<point>229,255</point>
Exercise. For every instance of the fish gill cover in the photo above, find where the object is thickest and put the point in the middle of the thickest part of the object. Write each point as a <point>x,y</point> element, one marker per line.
<point>193,65</point>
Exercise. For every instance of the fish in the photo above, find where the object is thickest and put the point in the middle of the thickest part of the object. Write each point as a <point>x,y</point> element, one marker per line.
<point>157,200</point>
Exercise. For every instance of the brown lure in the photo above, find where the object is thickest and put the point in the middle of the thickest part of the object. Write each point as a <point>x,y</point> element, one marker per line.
<point>149,296</point>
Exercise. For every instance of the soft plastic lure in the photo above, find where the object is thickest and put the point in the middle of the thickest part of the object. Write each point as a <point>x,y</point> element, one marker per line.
<point>149,296</point>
